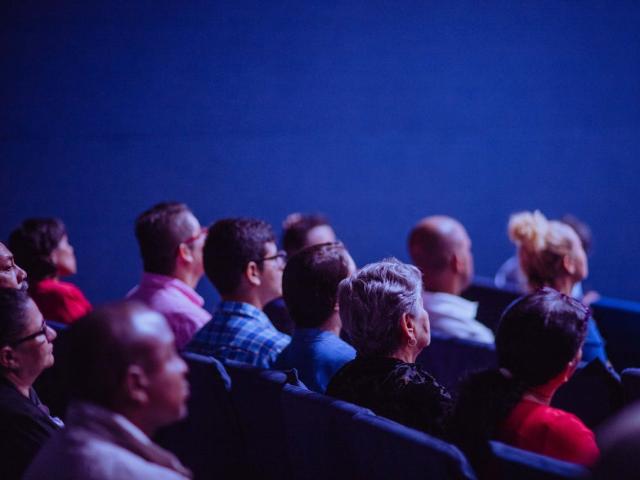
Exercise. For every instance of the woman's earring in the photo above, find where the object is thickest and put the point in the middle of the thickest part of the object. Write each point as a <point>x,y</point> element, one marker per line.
<point>412,342</point>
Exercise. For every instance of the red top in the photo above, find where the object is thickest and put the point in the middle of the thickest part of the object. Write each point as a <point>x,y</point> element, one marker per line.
<point>59,301</point>
<point>549,431</point>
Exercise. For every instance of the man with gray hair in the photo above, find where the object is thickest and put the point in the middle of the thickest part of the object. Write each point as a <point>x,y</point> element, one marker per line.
<point>440,247</point>
<point>126,381</point>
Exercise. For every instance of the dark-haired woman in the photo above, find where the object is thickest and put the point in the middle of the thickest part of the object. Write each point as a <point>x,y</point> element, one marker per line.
<point>41,246</point>
<point>538,343</point>
<point>26,349</point>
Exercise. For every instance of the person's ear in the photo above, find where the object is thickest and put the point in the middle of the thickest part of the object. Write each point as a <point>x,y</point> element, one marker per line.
<point>7,358</point>
<point>457,264</point>
<point>253,274</point>
<point>185,253</point>
<point>407,327</point>
<point>569,264</point>
<point>136,384</point>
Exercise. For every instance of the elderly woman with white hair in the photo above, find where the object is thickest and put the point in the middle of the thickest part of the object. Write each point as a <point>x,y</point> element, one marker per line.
<point>382,312</point>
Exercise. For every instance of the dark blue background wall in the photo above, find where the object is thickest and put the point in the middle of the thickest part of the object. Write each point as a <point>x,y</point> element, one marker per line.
<point>377,113</point>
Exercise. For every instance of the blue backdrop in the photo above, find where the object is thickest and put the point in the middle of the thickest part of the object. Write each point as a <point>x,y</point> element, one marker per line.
<point>374,112</point>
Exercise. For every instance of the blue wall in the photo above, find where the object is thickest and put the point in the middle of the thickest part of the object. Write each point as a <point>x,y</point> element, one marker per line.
<point>377,113</point>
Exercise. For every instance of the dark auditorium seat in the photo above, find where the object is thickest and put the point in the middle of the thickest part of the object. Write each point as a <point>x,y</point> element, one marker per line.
<point>256,395</point>
<point>384,449</point>
<point>491,300</point>
<point>619,323</point>
<point>317,434</point>
<point>449,359</point>
<point>513,463</point>
<point>209,440</point>
<point>593,393</point>
<point>631,384</point>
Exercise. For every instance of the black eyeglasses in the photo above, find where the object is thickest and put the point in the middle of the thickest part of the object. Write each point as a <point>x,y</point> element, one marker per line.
<point>280,257</point>
<point>42,331</point>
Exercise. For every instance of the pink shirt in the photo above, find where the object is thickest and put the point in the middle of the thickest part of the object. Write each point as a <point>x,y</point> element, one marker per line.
<point>176,300</point>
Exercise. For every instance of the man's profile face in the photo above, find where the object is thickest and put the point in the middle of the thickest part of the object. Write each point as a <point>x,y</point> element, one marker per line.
<point>271,273</point>
<point>467,255</point>
<point>168,388</point>
<point>11,275</point>
<point>196,242</point>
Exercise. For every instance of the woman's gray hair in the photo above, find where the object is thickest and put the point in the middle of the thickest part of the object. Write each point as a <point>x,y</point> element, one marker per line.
<point>372,302</point>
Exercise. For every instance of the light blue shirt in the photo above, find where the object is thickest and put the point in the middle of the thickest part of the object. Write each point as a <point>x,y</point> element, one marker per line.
<point>317,355</point>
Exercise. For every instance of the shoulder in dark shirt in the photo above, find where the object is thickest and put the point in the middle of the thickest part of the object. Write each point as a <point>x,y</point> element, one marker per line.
<point>401,391</point>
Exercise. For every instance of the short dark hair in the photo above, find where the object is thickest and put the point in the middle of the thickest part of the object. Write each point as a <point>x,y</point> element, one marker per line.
<point>310,282</point>
<point>13,313</point>
<point>101,346</point>
<point>159,231</point>
<point>231,244</point>
<point>295,230</point>
<point>538,335</point>
<point>32,244</point>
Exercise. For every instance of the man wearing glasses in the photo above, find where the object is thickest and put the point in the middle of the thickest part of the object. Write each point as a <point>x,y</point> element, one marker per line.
<point>242,261</point>
<point>171,240</point>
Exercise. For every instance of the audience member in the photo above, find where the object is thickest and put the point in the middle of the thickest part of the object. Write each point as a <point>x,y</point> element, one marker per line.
<point>511,403</point>
<point>25,351</point>
<point>242,262</point>
<point>551,255</point>
<point>510,276</point>
<point>440,247</point>
<point>11,275</point>
<point>310,289</point>
<point>171,242</point>
<point>126,381</point>
<point>298,231</point>
<point>41,246</point>
<point>381,308</point>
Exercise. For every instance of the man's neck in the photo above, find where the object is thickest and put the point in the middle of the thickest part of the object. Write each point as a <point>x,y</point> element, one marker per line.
<point>245,297</point>
<point>443,284</point>
<point>22,385</point>
<point>187,277</point>
<point>332,324</point>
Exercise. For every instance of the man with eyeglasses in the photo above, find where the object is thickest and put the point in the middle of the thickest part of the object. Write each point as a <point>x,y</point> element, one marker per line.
<point>242,261</point>
<point>171,240</point>
<point>26,349</point>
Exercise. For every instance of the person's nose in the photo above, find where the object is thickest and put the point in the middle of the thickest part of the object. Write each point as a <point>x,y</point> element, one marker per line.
<point>21,275</point>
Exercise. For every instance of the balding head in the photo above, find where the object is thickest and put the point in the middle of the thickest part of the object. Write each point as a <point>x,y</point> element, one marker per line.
<point>123,357</point>
<point>440,247</point>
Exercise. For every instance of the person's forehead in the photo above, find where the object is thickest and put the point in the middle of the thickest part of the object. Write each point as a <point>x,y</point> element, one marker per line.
<point>34,315</point>
<point>270,248</point>
<point>191,219</point>
<point>5,254</point>
<point>320,234</point>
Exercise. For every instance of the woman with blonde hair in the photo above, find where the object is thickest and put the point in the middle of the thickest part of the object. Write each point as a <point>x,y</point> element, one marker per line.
<point>551,255</point>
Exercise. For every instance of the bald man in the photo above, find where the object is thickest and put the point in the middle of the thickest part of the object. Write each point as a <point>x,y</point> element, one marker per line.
<point>11,275</point>
<point>126,381</point>
<point>440,247</point>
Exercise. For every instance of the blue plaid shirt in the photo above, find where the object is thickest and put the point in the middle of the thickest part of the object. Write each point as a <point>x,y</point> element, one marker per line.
<point>239,331</point>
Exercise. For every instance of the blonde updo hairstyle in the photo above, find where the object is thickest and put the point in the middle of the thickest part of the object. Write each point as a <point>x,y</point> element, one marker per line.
<point>542,245</point>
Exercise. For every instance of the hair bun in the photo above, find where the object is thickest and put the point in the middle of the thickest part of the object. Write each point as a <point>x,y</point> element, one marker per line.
<point>529,230</point>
